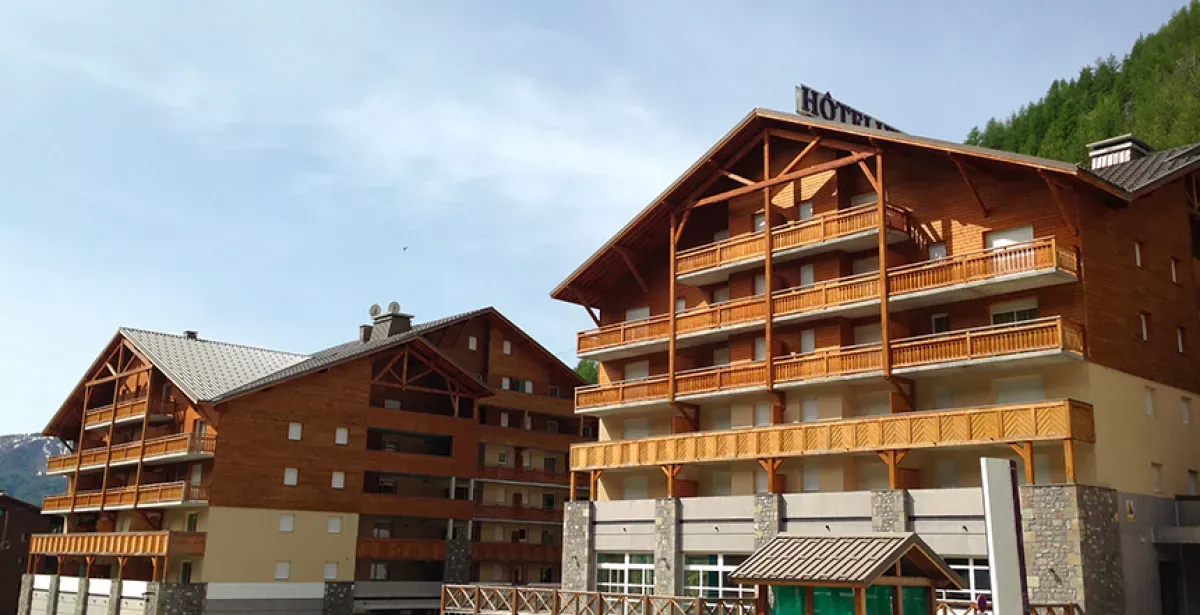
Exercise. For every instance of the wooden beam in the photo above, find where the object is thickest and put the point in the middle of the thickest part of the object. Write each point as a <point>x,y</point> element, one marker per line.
<point>892,459</point>
<point>671,471</point>
<point>742,151</point>
<point>862,164</point>
<point>808,149</point>
<point>1069,459</point>
<point>1025,451</point>
<point>832,143</point>
<point>87,395</point>
<point>783,178</point>
<point>881,209</point>
<point>687,213</point>
<point>595,317</point>
<point>735,177</point>
<point>571,493</point>
<point>962,171</point>
<point>593,483</point>
<point>671,325</point>
<point>624,252</point>
<point>1054,188</point>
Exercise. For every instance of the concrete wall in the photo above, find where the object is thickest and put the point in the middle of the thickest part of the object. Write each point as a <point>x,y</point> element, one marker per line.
<point>245,543</point>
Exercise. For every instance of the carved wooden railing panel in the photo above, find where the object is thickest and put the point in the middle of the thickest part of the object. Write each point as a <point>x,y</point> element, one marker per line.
<point>493,600</point>
<point>515,552</point>
<point>165,445</point>
<point>425,549</point>
<point>157,493</point>
<point>1037,255</point>
<point>1051,420</point>
<point>119,543</point>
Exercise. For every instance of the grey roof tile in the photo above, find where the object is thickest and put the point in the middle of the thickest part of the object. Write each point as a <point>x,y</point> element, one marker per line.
<point>1143,172</point>
<point>856,559</point>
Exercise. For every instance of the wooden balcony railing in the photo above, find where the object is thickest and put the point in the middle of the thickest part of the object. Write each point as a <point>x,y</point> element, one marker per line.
<point>1051,333</point>
<point>515,552</point>
<point>125,497</point>
<point>118,543</point>
<point>509,600</point>
<point>966,607</point>
<point>1038,255</point>
<point>792,235</point>
<point>528,475</point>
<point>175,444</point>
<point>423,549</point>
<point>1051,420</point>
<point>127,409</point>
<point>485,511</point>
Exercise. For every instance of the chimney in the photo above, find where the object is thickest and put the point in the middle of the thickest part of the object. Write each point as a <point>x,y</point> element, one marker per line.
<point>393,322</point>
<point>364,333</point>
<point>1117,150</point>
<point>191,335</point>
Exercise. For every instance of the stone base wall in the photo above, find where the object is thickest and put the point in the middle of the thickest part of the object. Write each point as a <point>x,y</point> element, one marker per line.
<point>458,556</point>
<point>339,599</point>
<point>667,556</point>
<point>889,511</point>
<point>579,551</point>
<point>767,517</point>
<point>176,598</point>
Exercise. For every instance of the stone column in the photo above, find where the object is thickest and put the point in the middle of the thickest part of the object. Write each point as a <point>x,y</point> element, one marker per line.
<point>339,598</point>
<point>25,600</point>
<point>666,547</point>
<point>52,595</point>
<point>579,553</point>
<point>175,598</point>
<point>1073,547</point>
<point>81,597</point>
<point>768,517</point>
<point>889,510</point>
<point>114,598</point>
<point>458,555</point>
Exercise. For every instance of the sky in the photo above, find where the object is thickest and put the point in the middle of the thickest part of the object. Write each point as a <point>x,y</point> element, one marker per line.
<point>262,172</point>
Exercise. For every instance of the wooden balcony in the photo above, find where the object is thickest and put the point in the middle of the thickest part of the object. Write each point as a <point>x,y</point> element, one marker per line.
<point>963,276</point>
<point>118,543</point>
<point>128,411</point>
<point>158,495</point>
<point>517,400</point>
<point>390,504</point>
<point>837,230</point>
<point>516,552</point>
<point>166,449</point>
<point>524,513</point>
<point>422,549</point>
<point>1041,337</point>
<point>524,475</point>
<point>1051,420</point>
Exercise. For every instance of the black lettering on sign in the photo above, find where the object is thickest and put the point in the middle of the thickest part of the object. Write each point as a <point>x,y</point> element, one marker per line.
<point>814,103</point>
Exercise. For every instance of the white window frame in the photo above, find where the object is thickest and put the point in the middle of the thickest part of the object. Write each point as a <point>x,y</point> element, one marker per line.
<point>760,285</point>
<point>1174,270</point>
<point>506,383</point>
<point>504,419</point>
<point>283,571</point>
<point>330,573</point>
<point>379,571</point>
<point>338,480</point>
<point>472,342</point>
<point>808,275</point>
<point>680,304</point>
<point>551,426</point>
<point>1144,322</point>
<point>938,247</point>
<point>804,210</point>
<point>507,347</point>
<point>760,349</point>
<point>528,386</point>
<point>967,567</point>
<point>758,220</point>
<point>613,573</point>
<point>333,525</point>
<point>287,523</point>
<point>1137,253</point>
<point>933,323</point>
<point>502,457</point>
<point>1156,477</point>
<point>553,391</point>
<point>1014,308</point>
<point>295,431</point>
<point>341,436</point>
<point>291,476</point>
<point>698,575</point>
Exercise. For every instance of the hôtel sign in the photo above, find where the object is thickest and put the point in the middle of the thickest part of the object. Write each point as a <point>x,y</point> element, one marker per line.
<point>814,103</point>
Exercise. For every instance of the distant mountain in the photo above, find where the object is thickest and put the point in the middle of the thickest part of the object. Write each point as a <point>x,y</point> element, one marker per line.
<point>22,457</point>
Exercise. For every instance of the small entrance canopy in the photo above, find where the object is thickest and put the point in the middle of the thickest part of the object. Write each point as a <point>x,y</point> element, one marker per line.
<point>859,573</point>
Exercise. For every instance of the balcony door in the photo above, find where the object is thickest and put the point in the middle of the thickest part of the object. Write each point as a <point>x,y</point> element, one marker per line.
<point>197,474</point>
<point>637,370</point>
<point>637,313</point>
<point>1008,237</point>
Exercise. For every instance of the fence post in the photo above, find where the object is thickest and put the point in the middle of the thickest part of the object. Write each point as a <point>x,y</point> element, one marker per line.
<point>514,601</point>
<point>475,602</point>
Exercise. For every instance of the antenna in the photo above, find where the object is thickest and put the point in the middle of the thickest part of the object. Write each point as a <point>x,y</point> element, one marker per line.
<point>375,310</point>
<point>394,307</point>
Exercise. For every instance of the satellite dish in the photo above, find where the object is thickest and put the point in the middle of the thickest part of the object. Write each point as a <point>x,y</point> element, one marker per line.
<point>394,307</point>
<point>375,310</point>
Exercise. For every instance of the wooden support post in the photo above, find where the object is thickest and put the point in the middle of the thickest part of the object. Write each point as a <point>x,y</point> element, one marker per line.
<point>1056,195</point>
<point>671,325</point>
<point>769,274</point>
<point>772,468</point>
<point>87,395</point>
<point>1025,451</point>
<point>121,561</point>
<point>1069,459</point>
<point>962,171</point>
<point>593,484</point>
<point>805,152</point>
<point>762,601</point>
<point>885,335</point>
<point>624,254</point>
<point>892,459</point>
<point>137,477</point>
<point>809,597</point>
<point>88,560</point>
<point>154,566</point>
<point>860,601</point>
<point>571,493</point>
<point>112,425</point>
<point>671,471</point>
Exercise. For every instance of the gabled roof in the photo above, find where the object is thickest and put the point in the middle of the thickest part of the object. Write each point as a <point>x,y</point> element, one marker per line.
<point>1152,170</point>
<point>840,560</point>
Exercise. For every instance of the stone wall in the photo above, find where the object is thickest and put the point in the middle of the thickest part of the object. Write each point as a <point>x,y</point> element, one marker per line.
<point>767,517</point>
<point>889,510</point>
<point>176,598</point>
<point>458,556</point>
<point>666,547</point>
<point>25,600</point>
<point>578,568</point>
<point>339,599</point>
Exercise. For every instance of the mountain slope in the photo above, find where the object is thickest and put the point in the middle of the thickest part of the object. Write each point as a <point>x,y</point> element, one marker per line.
<point>1152,92</point>
<point>22,457</point>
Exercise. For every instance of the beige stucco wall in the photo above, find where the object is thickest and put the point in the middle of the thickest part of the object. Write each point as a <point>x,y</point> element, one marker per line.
<point>244,544</point>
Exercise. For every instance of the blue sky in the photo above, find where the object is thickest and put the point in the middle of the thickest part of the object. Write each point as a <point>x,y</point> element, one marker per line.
<point>252,170</point>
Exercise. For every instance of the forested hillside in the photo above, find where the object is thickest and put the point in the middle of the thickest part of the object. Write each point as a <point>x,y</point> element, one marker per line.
<point>1153,92</point>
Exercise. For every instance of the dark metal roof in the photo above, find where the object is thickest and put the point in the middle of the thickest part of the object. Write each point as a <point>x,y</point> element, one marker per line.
<point>855,559</point>
<point>1151,170</point>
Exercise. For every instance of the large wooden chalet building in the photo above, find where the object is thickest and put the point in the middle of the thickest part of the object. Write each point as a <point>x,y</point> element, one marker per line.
<point>821,328</point>
<point>412,455</point>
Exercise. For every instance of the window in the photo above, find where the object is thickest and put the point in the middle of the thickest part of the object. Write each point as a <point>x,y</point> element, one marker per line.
<point>190,525</point>
<point>551,426</point>
<point>637,370</point>
<point>625,573</point>
<point>937,250</point>
<point>1150,409</point>
<point>1008,237</point>
<point>943,397</point>
<point>527,386</point>
<point>550,464</point>
<point>940,323</point>
<point>1137,253</point>
<point>506,383</point>
<point>977,577</point>
<point>528,422</point>
<point>330,571</point>
<point>287,522</point>
<point>1193,483</point>
<point>283,570</point>
<point>641,312</point>
<point>720,356</point>
<point>502,457</point>
<point>680,304</point>
<point>1185,410</point>
<point>553,391</point>
<point>721,235</point>
<point>1019,390</point>
<point>548,500</point>
<point>804,210</point>
<point>810,409</point>
<point>759,221</point>
<point>808,341</point>
<point>947,474</point>
<point>290,476</point>
<point>504,419</point>
<point>762,413</point>
<point>721,419</point>
<point>295,430</point>
<point>200,428</point>
<point>865,265</point>
<point>811,477</point>
<point>472,342</point>
<point>341,436</point>
<point>720,295</point>
<point>807,275</point>
<point>381,529</point>
<point>721,483</point>
<point>760,349</point>
<point>1156,476</point>
<point>333,525</point>
<point>1175,270</point>
<point>1014,311</point>
<point>762,481</point>
<point>390,443</point>
<point>586,431</point>
<point>507,347</point>
<point>387,485</point>
<point>339,480</point>
<point>1144,323</point>
<point>1179,335</point>
<point>635,488</point>
<point>379,571</point>
<point>391,404</point>
<point>708,576</point>
<point>185,572</point>
<point>548,537</point>
<point>1042,469</point>
<point>863,199</point>
<point>760,284</point>
<point>636,428</point>
<point>868,334</point>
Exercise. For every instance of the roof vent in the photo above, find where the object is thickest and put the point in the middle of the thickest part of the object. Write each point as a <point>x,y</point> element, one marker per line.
<point>394,322</point>
<point>1117,150</point>
<point>191,335</point>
